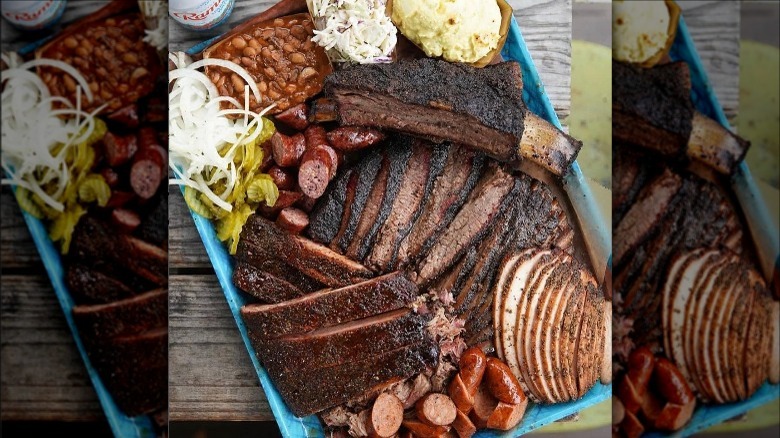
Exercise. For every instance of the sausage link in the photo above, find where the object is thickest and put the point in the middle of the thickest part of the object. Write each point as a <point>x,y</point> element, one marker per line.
<point>283,179</point>
<point>318,167</point>
<point>286,199</point>
<point>127,115</point>
<point>148,171</point>
<point>436,409</point>
<point>631,426</point>
<point>506,415</point>
<point>119,149</point>
<point>640,367</point>
<point>110,176</point>
<point>351,138</point>
<point>472,367</point>
<point>501,383</point>
<point>287,151</point>
<point>463,425</point>
<point>484,405</point>
<point>460,394</point>
<point>422,430</point>
<point>385,416</point>
<point>119,198</point>
<point>296,117</point>
<point>671,383</point>
<point>125,220</point>
<point>293,220</point>
<point>316,136</point>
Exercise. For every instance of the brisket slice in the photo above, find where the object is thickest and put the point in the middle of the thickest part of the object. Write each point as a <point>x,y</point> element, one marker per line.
<point>266,287</point>
<point>490,251</point>
<point>325,219</point>
<point>538,219</point>
<point>329,307</point>
<point>397,157</point>
<point>259,258</point>
<point>350,199</point>
<point>97,244</point>
<point>481,108</point>
<point>370,212</point>
<point>319,389</point>
<point>470,224</point>
<point>341,344</point>
<point>629,174</point>
<point>644,215</point>
<point>367,170</point>
<point>652,108</point>
<point>424,166</point>
<point>87,285</point>
<point>450,190</point>
<point>316,261</point>
<point>130,316</point>
<point>154,225</point>
<point>134,370</point>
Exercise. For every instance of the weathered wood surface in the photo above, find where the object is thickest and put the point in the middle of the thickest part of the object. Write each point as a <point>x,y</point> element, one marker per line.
<point>211,375</point>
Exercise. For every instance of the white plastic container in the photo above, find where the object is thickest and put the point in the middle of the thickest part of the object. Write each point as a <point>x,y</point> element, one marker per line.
<point>32,15</point>
<point>200,14</point>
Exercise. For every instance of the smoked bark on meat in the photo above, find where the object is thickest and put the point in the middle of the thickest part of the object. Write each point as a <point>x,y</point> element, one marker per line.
<point>370,212</point>
<point>367,171</point>
<point>342,343</point>
<point>323,388</point>
<point>470,224</point>
<point>95,241</point>
<point>266,287</point>
<point>425,165</point>
<point>652,108</point>
<point>120,318</point>
<point>87,285</point>
<point>329,307</point>
<point>260,258</point>
<point>438,100</point>
<point>154,225</point>
<point>451,189</point>
<point>327,215</point>
<point>315,260</point>
<point>629,174</point>
<point>540,219</point>
<point>135,370</point>
<point>396,160</point>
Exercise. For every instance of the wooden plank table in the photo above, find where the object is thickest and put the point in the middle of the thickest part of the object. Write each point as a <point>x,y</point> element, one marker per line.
<point>41,375</point>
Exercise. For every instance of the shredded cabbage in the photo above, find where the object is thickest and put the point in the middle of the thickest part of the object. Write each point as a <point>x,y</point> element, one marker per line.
<point>216,158</point>
<point>48,153</point>
<point>353,30</point>
<point>155,10</point>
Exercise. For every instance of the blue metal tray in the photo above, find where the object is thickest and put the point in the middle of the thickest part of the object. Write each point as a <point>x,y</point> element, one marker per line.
<point>765,234</point>
<point>591,222</point>
<point>121,425</point>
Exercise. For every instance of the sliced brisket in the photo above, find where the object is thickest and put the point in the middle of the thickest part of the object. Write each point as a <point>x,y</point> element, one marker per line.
<point>323,388</point>
<point>325,219</point>
<point>470,224</point>
<point>424,166</point>
<point>314,260</point>
<point>261,259</point>
<point>367,171</point>
<point>266,287</point>
<point>134,315</point>
<point>329,307</point>
<point>341,344</point>
<point>87,285</point>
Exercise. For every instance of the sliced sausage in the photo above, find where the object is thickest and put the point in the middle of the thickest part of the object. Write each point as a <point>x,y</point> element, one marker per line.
<point>671,383</point>
<point>502,383</point>
<point>268,156</point>
<point>306,203</point>
<point>148,171</point>
<point>287,151</point>
<point>463,425</point>
<point>386,416</point>
<point>631,426</point>
<point>641,362</point>
<point>674,416</point>
<point>284,179</point>
<point>110,176</point>
<point>293,220</point>
<point>286,199</point>
<point>461,395</point>
<point>506,415</point>
<point>422,430</point>
<point>484,405</point>
<point>351,138</point>
<point>618,411</point>
<point>316,136</point>
<point>631,398</point>
<point>125,220</point>
<point>436,409</point>
<point>651,406</point>
<point>316,171</point>
<point>296,117</point>
<point>119,149</point>
<point>472,366</point>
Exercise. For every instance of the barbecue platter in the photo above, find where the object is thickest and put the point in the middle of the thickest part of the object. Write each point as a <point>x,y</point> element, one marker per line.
<point>696,319</point>
<point>408,258</point>
<point>92,172</point>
